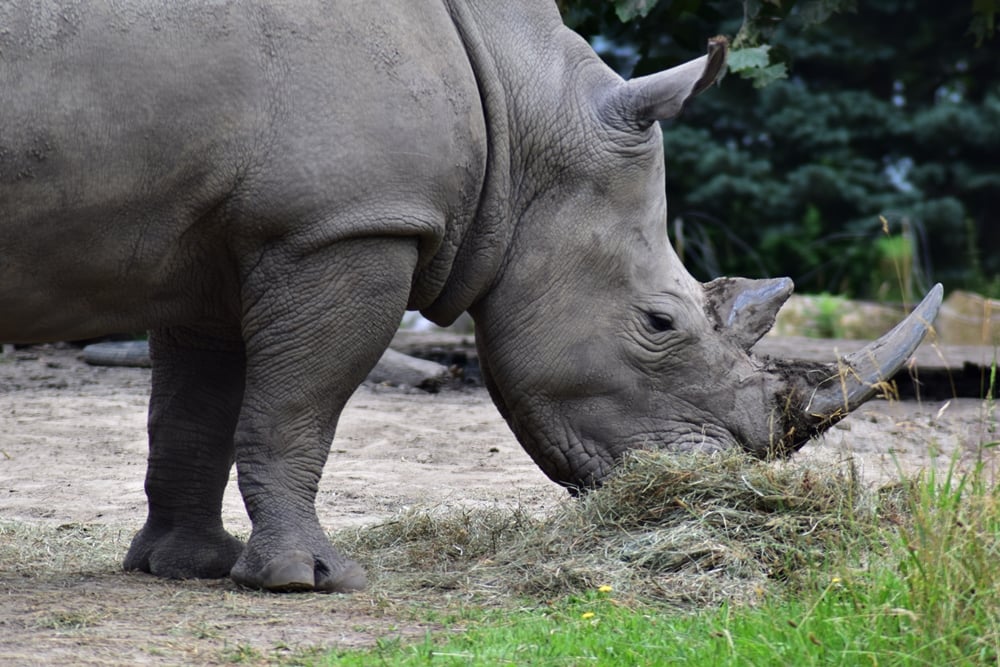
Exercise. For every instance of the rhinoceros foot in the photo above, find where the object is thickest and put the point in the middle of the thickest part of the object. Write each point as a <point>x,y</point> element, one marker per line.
<point>321,569</point>
<point>295,571</point>
<point>183,554</point>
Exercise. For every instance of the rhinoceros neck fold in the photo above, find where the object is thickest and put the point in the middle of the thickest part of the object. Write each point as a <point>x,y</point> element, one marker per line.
<point>473,262</point>
<point>507,45</point>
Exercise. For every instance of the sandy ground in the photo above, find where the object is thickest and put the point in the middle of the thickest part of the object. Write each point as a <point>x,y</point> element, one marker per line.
<point>72,459</point>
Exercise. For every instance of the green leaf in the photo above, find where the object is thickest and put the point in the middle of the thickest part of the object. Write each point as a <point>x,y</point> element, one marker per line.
<point>753,63</point>
<point>741,60</point>
<point>765,75</point>
<point>629,9</point>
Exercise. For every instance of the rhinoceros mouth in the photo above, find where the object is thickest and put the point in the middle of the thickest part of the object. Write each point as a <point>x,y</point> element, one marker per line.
<point>582,456</point>
<point>683,437</point>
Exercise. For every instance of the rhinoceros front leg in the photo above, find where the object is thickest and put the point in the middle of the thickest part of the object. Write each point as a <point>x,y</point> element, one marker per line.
<point>314,325</point>
<point>196,397</point>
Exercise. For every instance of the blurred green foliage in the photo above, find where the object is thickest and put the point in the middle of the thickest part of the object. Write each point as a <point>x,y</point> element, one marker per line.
<point>889,108</point>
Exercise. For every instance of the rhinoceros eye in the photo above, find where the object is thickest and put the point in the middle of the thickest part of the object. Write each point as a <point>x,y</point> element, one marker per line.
<point>659,322</point>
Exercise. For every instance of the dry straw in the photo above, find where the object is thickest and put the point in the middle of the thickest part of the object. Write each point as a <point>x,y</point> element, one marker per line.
<point>681,529</point>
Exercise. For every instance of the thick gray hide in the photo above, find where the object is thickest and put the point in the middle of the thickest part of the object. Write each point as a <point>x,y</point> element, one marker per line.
<point>267,186</point>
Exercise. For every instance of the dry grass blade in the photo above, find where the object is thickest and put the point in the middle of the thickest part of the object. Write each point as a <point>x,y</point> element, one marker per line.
<point>690,529</point>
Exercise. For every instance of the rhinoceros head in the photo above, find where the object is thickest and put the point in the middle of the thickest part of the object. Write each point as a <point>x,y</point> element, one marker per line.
<point>594,339</point>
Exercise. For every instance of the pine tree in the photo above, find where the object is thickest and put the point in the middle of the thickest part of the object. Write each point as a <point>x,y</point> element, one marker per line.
<point>874,166</point>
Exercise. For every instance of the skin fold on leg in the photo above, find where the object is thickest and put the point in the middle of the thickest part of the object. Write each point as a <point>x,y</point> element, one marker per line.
<point>197,391</point>
<point>313,328</point>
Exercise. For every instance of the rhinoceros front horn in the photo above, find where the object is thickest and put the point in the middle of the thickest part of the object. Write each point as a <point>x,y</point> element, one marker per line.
<point>844,386</point>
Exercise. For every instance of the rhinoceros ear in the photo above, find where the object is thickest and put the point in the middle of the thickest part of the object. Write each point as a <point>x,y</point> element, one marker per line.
<point>745,309</point>
<point>647,99</point>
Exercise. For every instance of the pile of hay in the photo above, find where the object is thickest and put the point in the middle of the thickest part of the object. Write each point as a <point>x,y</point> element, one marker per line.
<point>689,530</point>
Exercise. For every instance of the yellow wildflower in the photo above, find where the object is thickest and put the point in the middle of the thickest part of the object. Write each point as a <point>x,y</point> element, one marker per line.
<point>587,614</point>
<point>604,589</point>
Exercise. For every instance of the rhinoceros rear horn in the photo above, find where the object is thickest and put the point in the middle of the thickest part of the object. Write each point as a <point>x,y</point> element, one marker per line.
<point>745,309</point>
<point>661,96</point>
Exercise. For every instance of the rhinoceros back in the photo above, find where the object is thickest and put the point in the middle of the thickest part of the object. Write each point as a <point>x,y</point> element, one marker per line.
<point>149,151</point>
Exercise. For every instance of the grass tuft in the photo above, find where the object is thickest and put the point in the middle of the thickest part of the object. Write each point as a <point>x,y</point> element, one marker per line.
<point>951,547</point>
<point>686,530</point>
<point>904,575</point>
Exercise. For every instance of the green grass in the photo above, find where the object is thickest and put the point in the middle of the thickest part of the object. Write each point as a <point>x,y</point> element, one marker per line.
<point>925,590</point>
<point>845,623</point>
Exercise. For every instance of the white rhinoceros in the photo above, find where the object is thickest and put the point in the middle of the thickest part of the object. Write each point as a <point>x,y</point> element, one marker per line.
<point>267,185</point>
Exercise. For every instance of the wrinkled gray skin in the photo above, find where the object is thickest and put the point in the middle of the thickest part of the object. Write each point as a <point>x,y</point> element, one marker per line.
<point>267,186</point>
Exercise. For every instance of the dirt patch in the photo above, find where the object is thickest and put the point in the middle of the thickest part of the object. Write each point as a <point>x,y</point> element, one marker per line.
<point>72,460</point>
